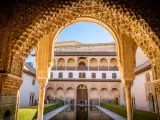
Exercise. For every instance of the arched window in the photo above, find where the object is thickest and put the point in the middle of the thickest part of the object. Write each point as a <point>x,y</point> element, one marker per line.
<point>82,64</point>
<point>70,75</point>
<point>60,75</point>
<point>80,75</point>
<point>103,75</point>
<point>51,75</point>
<point>114,75</point>
<point>84,75</point>
<point>93,75</point>
<point>33,81</point>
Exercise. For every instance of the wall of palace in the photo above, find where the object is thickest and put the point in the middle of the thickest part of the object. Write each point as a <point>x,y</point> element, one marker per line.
<point>112,75</point>
<point>29,90</point>
<point>142,91</point>
<point>96,90</point>
<point>140,57</point>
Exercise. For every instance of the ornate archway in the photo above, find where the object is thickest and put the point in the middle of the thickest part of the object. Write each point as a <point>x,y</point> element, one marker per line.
<point>21,34</point>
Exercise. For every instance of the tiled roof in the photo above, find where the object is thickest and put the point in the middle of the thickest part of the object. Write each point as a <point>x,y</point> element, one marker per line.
<point>81,44</point>
<point>85,53</point>
<point>28,67</point>
<point>143,67</point>
<point>84,80</point>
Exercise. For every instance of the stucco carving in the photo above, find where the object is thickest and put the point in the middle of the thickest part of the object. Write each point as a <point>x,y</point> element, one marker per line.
<point>17,65</point>
<point>28,23</point>
<point>128,84</point>
<point>10,84</point>
<point>42,83</point>
<point>120,18</point>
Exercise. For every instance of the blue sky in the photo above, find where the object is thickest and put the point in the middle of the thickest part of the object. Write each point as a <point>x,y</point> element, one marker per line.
<point>84,32</point>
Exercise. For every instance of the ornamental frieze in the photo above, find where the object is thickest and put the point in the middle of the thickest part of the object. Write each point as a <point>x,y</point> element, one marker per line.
<point>10,84</point>
<point>119,17</point>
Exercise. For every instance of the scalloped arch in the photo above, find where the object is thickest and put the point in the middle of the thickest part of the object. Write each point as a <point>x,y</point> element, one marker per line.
<point>54,17</point>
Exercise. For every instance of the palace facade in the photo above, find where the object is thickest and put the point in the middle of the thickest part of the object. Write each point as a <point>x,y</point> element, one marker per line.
<point>29,90</point>
<point>84,72</point>
<point>89,74</point>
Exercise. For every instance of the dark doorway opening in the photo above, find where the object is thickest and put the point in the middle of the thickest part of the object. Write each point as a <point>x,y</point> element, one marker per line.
<point>7,115</point>
<point>82,95</point>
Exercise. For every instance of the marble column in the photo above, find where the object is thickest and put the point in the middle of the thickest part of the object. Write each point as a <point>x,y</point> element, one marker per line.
<point>156,89</point>
<point>128,84</point>
<point>42,84</point>
<point>129,105</point>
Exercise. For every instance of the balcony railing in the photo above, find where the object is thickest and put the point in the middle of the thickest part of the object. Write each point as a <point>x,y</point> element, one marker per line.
<point>82,68</point>
<point>61,67</point>
<point>85,79</point>
<point>70,68</point>
<point>54,68</point>
<point>93,68</point>
<point>86,68</point>
<point>103,68</point>
<point>115,68</point>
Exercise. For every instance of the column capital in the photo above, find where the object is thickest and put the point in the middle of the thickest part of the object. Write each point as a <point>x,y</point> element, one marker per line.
<point>10,84</point>
<point>128,84</point>
<point>42,83</point>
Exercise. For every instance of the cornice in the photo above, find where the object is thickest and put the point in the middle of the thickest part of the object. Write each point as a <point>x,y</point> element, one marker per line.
<point>85,80</point>
<point>29,72</point>
<point>142,68</point>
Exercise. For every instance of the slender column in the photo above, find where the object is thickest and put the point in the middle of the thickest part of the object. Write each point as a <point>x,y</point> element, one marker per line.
<point>88,63</point>
<point>76,63</point>
<point>88,98</point>
<point>129,107</point>
<point>156,86</point>
<point>64,98</point>
<point>42,85</point>
<point>108,60</point>
<point>99,98</point>
<point>66,60</point>
<point>74,100</point>
<point>98,63</point>
<point>128,85</point>
<point>18,103</point>
<point>56,64</point>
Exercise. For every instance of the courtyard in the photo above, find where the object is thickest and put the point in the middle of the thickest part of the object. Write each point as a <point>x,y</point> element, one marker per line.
<point>103,79</point>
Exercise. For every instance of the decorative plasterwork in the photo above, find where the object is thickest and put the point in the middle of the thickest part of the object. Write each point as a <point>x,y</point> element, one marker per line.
<point>43,60</point>
<point>53,17</point>
<point>156,69</point>
<point>127,84</point>
<point>10,84</point>
<point>42,83</point>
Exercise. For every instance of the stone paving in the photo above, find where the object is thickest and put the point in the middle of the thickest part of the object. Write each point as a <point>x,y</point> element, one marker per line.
<point>111,114</point>
<point>108,112</point>
<point>54,112</point>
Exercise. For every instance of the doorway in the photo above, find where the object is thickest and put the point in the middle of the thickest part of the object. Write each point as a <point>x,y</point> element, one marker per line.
<point>82,95</point>
<point>7,115</point>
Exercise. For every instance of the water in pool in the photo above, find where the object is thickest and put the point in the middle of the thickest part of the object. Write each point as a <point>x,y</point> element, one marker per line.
<point>81,113</point>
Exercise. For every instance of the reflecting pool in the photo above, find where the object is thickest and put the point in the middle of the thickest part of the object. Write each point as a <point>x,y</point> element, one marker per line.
<point>81,113</point>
